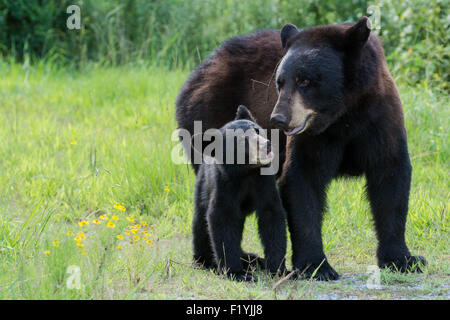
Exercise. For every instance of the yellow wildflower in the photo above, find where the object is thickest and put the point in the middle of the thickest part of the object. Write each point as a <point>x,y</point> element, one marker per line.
<point>120,237</point>
<point>115,218</point>
<point>136,238</point>
<point>166,188</point>
<point>134,231</point>
<point>69,233</point>
<point>83,223</point>
<point>110,224</point>
<point>96,221</point>
<point>120,207</point>
<point>149,242</point>
<point>144,223</point>
<point>119,247</point>
<point>80,244</point>
<point>73,142</point>
<point>103,217</point>
<point>131,219</point>
<point>47,252</point>
<point>55,243</point>
<point>127,233</point>
<point>81,235</point>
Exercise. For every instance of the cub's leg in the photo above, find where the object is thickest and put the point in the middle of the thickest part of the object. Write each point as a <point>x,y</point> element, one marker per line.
<point>203,251</point>
<point>226,224</point>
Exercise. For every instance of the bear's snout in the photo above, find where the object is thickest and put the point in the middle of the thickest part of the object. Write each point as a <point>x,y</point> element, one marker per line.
<point>279,121</point>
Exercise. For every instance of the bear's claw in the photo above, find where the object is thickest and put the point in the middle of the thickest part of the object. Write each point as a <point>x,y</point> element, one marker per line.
<point>321,271</point>
<point>405,264</point>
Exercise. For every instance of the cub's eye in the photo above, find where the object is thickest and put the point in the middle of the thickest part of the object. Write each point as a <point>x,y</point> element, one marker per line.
<point>303,82</point>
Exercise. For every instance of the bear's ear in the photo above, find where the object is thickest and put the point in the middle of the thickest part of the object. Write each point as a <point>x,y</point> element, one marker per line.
<point>357,35</point>
<point>287,32</point>
<point>243,114</point>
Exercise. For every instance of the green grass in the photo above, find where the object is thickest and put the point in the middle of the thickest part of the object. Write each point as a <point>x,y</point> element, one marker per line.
<point>121,120</point>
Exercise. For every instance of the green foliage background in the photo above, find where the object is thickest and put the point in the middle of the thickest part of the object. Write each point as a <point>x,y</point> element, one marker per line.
<point>182,33</point>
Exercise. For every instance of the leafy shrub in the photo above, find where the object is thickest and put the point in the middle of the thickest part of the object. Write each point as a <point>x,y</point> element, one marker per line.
<point>180,33</point>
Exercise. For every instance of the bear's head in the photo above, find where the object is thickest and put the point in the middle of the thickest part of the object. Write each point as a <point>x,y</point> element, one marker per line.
<point>324,71</point>
<point>240,142</point>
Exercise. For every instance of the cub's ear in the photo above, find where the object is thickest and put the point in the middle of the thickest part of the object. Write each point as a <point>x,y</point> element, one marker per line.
<point>244,113</point>
<point>287,32</point>
<point>357,35</point>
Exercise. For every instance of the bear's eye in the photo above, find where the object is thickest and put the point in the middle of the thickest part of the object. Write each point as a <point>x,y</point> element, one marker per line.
<point>280,83</point>
<point>303,82</point>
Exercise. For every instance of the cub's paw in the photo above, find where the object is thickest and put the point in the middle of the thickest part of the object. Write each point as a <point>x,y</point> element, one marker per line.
<point>276,269</point>
<point>242,276</point>
<point>252,261</point>
<point>278,274</point>
<point>405,264</point>
<point>202,263</point>
<point>321,271</point>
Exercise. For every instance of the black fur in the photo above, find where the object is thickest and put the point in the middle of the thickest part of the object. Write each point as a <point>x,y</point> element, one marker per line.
<point>224,195</point>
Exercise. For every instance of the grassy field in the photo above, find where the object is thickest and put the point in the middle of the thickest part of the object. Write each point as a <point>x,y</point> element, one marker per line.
<point>88,191</point>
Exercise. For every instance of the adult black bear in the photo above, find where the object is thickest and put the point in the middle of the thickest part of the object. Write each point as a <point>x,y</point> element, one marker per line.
<point>340,108</point>
<point>225,193</point>
<point>239,72</point>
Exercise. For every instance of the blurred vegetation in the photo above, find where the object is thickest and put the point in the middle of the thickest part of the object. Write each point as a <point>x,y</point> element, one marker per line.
<point>181,33</point>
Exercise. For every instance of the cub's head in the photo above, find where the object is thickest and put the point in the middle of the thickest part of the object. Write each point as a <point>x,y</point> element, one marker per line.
<point>320,72</point>
<point>241,141</point>
<point>249,139</point>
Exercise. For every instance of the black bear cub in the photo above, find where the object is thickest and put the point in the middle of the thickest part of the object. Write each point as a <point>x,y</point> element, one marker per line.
<point>228,191</point>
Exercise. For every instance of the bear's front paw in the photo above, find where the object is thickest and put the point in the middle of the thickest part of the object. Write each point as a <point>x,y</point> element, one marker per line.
<point>405,264</point>
<point>321,271</point>
<point>242,276</point>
